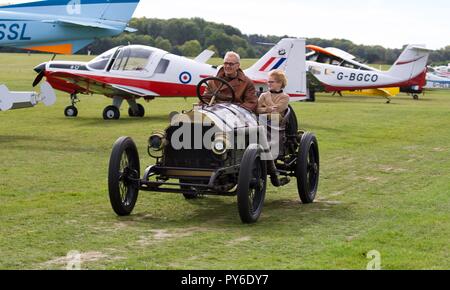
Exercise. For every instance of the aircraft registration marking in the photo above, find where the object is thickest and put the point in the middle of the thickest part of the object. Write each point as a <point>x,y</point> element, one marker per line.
<point>13,31</point>
<point>358,77</point>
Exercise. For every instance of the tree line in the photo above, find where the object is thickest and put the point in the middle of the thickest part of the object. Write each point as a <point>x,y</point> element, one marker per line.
<point>189,37</point>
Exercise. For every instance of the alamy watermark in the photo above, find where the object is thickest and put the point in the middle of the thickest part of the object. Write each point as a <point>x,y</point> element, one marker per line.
<point>74,7</point>
<point>234,131</point>
<point>375,260</point>
<point>73,260</point>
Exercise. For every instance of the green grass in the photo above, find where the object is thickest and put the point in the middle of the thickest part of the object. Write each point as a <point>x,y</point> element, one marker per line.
<point>385,186</point>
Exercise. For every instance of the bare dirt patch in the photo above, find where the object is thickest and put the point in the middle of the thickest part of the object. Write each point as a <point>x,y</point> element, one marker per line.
<point>239,241</point>
<point>160,235</point>
<point>70,258</point>
<point>391,169</point>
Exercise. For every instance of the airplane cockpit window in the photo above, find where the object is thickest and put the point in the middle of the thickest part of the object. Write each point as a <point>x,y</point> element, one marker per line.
<point>132,59</point>
<point>100,62</point>
<point>312,56</point>
<point>335,62</point>
<point>162,66</point>
<point>324,59</point>
<point>350,65</point>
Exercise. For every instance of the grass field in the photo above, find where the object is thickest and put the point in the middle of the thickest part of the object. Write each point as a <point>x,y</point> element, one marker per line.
<point>385,186</point>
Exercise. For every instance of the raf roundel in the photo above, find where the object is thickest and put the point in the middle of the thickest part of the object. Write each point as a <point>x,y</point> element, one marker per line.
<point>185,77</point>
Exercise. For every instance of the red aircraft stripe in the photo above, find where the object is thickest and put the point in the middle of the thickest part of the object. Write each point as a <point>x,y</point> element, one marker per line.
<point>406,62</point>
<point>269,62</point>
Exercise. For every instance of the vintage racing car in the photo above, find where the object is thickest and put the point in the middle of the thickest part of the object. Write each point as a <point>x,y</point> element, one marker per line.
<point>218,148</point>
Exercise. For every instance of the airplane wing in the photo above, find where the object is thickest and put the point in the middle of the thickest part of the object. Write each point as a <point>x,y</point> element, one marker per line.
<point>89,85</point>
<point>204,56</point>
<point>82,23</point>
<point>320,50</point>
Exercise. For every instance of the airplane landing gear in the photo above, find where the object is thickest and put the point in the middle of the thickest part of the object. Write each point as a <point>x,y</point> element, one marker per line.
<point>111,113</point>
<point>140,111</point>
<point>416,97</point>
<point>72,111</point>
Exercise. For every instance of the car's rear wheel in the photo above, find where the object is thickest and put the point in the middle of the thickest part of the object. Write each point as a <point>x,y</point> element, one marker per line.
<point>123,176</point>
<point>188,196</point>
<point>307,168</point>
<point>252,183</point>
<point>291,123</point>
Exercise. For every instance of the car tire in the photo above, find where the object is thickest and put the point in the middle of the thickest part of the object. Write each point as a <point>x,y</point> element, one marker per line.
<point>123,176</point>
<point>111,113</point>
<point>71,112</point>
<point>307,168</point>
<point>252,183</point>
<point>292,123</point>
<point>187,196</point>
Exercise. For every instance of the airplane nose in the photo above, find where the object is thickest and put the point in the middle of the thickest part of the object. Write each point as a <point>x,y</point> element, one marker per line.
<point>40,68</point>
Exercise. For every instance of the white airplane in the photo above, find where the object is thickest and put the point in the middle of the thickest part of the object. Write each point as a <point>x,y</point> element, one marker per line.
<point>334,70</point>
<point>440,71</point>
<point>438,78</point>
<point>136,71</point>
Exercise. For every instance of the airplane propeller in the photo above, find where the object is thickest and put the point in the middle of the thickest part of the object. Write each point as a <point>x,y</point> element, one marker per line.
<point>40,69</point>
<point>39,78</point>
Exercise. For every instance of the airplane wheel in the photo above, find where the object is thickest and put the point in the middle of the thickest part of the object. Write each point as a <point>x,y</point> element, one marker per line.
<point>416,97</point>
<point>71,112</point>
<point>140,114</point>
<point>111,113</point>
<point>312,96</point>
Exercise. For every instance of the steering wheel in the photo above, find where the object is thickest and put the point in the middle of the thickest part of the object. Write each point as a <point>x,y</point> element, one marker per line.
<point>213,91</point>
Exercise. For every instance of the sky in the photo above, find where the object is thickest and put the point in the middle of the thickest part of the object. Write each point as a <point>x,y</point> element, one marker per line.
<point>390,23</point>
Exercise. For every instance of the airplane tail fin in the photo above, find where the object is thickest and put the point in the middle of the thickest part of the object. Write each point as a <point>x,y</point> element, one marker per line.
<point>411,63</point>
<point>112,10</point>
<point>288,55</point>
<point>110,16</point>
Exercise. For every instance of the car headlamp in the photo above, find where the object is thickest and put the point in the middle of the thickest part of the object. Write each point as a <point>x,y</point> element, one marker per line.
<point>220,145</point>
<point>156,144</point>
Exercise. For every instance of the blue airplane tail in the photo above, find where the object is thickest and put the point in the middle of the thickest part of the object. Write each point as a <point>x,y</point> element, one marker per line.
<point>112,10</point>
<point>81,21</point>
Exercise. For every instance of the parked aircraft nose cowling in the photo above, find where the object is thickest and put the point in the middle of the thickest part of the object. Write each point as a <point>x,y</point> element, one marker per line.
<point>40,69</point>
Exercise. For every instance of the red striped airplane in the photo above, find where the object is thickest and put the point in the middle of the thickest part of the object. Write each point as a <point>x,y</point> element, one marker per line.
<point>133,72</point>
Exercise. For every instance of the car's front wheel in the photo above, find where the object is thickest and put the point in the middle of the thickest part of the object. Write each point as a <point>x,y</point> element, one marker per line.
<point>123,176</point>
<point>252,183</point>
<point>307,168</point>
